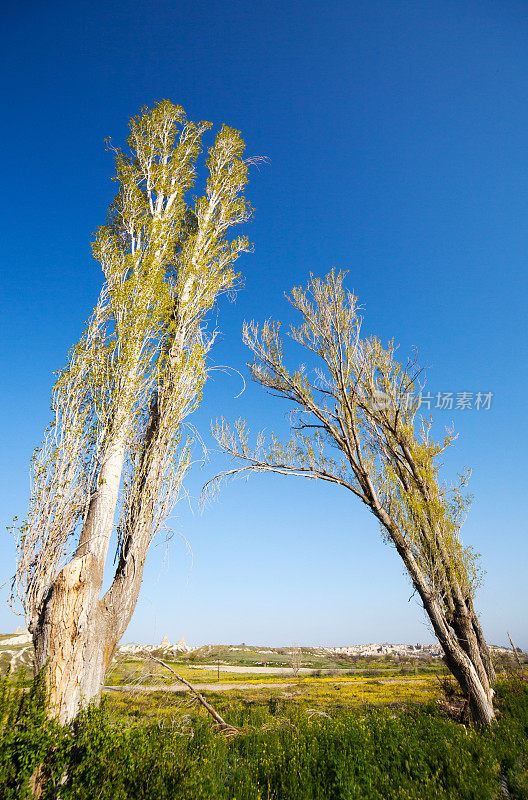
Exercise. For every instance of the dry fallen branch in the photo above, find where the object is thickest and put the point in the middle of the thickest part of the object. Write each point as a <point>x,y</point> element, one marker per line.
<point>221,724</point>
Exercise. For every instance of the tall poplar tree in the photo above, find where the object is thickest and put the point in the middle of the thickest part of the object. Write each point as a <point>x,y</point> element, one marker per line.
<point>358,427</point>
<point>115,452</point>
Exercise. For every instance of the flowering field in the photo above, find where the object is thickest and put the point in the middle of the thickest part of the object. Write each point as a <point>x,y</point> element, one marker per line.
<point>280,749</point>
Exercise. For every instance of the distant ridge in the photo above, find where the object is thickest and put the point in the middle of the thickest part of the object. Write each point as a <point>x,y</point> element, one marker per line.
<point>16,649</point>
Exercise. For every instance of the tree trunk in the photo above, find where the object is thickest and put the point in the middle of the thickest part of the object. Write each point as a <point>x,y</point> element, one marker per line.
<point>73,637</point>
<point>97,527</point>
<point>459,655</point>
<point>485,652</point>
<point>70,640</point>
<point>77,633</point>
<point>120,600</point>
<point>480,698</point>
<point>459,648</point>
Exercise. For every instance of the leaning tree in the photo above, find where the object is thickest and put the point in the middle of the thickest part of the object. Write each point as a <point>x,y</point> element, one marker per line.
<point>360,402</point>
<point>115,451</point>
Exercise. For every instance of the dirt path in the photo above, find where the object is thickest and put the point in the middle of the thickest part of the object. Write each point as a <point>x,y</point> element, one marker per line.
<point>285,672</point>
<point>225,687</point>
<point>201,687</point>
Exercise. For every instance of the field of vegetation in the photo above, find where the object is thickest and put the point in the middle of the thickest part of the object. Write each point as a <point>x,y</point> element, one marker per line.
<point>374,731</point>
<point>137,686</point>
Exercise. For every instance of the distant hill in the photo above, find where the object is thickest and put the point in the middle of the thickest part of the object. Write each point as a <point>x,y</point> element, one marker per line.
<point>16,650</point>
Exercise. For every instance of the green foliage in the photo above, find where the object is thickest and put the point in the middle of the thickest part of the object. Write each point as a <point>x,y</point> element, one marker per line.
<point>28,738</point>
<point>283,753</point>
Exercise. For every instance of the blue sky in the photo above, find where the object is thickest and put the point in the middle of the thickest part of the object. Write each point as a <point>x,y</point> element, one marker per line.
<point>396,134</point>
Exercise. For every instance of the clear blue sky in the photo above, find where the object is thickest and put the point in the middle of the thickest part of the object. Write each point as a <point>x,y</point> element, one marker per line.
<point>397,137</point>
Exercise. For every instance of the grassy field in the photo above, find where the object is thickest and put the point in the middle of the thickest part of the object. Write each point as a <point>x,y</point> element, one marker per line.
<point>237,677</point>
<point>150,691</point>
<point>142,687</point>
<point>368,729</point>
<point>318,744</point>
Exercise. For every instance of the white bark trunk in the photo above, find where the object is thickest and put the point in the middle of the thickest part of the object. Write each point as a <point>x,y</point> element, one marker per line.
<point>77,633</point>
<point>70,640</point>
<point>97,528</point>
<point>74,638</point>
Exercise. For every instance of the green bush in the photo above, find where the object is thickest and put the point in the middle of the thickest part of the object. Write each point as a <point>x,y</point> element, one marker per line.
<point>28,740</point>
<point>283,753</point>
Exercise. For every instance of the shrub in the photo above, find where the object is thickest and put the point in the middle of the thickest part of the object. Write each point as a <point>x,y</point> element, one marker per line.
<point>283,753</point>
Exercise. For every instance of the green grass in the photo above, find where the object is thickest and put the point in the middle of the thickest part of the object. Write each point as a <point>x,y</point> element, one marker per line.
<point>285,751</point>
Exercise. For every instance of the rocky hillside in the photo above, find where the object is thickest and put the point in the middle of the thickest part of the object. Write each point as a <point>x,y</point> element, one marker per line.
<point>16,650</point>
